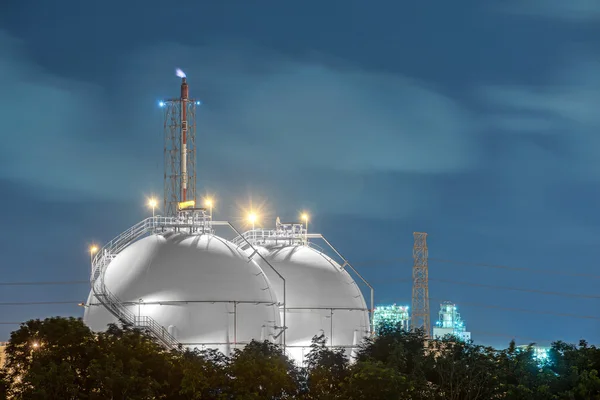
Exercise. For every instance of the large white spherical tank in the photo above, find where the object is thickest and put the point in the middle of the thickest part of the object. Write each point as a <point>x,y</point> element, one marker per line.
<point>321,298</point>
<point>189,284</point>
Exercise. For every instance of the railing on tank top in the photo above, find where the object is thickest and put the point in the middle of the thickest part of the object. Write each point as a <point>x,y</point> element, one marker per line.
<point>263,236</point>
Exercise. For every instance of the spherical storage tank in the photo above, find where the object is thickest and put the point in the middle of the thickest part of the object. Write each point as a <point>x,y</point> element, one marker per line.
<point>321,298</point>
<point>202,288</point>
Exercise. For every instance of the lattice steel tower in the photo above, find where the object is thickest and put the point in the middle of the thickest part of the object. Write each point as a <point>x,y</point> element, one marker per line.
<point>420,292</point>
<point>180,148</point>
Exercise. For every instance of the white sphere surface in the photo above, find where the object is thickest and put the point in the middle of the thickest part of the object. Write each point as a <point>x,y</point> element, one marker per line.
<point>321,298</point>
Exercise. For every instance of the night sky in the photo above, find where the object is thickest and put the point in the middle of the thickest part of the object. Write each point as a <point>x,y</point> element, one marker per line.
<point>475,121</point>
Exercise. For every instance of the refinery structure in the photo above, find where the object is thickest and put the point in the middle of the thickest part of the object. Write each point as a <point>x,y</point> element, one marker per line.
<point>392,316</point>
<point>191,281</point>
<point>450,323</point>
<point>179,278</point>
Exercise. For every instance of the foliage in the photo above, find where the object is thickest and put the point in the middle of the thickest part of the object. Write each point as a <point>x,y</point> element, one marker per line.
<point>326,370</point>
<point>3,384</point>
<point>462,370</point>
<point>60,358</point>
<point>262,371</point>
<point>204,375</point>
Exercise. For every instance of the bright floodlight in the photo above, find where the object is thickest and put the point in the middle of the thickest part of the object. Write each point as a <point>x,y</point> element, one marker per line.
<point>161,103</point>
<point>180,73</point>
<point>93,249</point>
<point>35,345</point>
<point>252,218</point>
<point>304,216</point>
<point>152,202</point>
<point>208,202</point>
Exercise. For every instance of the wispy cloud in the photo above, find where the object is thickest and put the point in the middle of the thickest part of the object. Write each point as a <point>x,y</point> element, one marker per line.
<point>565,108</point>
<point>575,10</point>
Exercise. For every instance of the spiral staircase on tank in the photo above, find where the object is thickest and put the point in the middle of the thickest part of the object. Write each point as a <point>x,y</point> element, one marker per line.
<point>111,302</point>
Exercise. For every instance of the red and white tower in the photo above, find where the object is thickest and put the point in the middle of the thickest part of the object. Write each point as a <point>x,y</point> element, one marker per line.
<point>180,148</point>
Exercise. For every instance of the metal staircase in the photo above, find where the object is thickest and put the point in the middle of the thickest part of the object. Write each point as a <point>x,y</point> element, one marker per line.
<point>111,302</point>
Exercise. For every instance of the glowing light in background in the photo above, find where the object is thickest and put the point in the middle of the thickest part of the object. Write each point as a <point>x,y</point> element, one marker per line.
<point>152,203</point>
<point>259,207</point>
<point>252,218</point>
<point>161,103</point>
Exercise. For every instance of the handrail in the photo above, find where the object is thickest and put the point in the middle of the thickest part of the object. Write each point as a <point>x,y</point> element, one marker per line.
<point>263,235</point>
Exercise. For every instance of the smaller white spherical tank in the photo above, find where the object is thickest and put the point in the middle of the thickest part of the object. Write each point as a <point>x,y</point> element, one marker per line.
<point>321,298</point>
<point>202,288</point>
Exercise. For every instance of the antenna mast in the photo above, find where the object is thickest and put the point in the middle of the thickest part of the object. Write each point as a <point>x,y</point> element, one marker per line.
<point>180,148</point>
<point>420,292</point>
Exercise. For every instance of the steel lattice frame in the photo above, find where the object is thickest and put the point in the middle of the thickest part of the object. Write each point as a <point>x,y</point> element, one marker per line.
<point>420,293</point>
<point>173,125</point>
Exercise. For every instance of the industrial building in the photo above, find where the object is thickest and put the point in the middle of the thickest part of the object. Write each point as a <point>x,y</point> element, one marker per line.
<point>391,316</point>
<point>192,281</point>
<point>450,323</point>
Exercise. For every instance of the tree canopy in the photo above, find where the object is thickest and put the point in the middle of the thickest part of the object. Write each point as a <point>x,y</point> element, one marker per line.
<point>60,358</point>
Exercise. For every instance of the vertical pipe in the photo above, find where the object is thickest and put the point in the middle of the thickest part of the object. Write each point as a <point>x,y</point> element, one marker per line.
<point>284,314</point>
<point>235,324</point>
<point>331,326</point>
<point>184,127</point>
<point>372,313</point>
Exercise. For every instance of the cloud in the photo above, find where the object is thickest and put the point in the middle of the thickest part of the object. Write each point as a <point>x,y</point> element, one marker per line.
<point>265,118</point>
<point>563,110</point>
<point>574,10</point>
<point>54,131</point>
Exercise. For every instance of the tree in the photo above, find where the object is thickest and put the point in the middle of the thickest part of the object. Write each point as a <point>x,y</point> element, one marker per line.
<point>520,377</point>
<point>462,370</point>
<point>204,375</point>
<point>326,370</point>
<point>577,369</point>
<point>404,352</point>
<point>373,380</point>
<point>262,371</point>
<point>129,365</point>
<point>3,384</point>
<point>49,359</point>
<point>60,358</point>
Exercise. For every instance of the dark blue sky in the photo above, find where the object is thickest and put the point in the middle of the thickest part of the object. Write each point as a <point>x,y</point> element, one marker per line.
<point>474,121</point>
